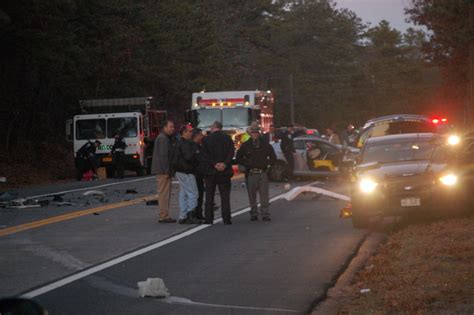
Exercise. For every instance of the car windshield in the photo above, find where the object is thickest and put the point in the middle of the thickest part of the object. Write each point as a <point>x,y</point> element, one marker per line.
<point>89,129</point>
<point>398,151</point>
<point>125,126</point>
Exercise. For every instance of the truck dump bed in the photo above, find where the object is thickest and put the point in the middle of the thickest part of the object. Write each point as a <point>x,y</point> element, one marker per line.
<point>116,105</point>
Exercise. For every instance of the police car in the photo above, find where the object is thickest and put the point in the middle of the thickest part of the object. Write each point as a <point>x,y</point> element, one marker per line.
<point>423,174</point>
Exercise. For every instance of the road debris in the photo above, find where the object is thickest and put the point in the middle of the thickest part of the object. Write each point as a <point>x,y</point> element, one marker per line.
<point>64,204</point>
<point>94,195</point>
<point>364,291</point>
<point>57,198</point>
<point>153,287</point>
<point>22,204</point>
<point>43,203</point>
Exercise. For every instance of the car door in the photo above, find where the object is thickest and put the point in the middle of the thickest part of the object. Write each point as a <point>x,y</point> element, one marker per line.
<point>301,166</point>
<point>327,158</point>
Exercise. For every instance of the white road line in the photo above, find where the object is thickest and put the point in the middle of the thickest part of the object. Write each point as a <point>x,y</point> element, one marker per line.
<point>184,301</point>
<point>118,260</point>
<point>95,187</point>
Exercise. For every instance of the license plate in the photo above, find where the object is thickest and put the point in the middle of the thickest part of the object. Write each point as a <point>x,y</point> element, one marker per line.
<point>107,160</point>
<point>411,202</point>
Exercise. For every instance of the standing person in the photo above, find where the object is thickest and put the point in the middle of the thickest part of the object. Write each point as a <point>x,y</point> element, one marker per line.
<point>349,136</point>
<point>270,135</point>
<point>86,159</point>
<point>200,170</point>
<point>218,149</point>
<point>185,165</point>
<point>257,156</point>
<point>332,136</point>
<point>163,155</point>
<point>288,148</point>
<point>118,155</point>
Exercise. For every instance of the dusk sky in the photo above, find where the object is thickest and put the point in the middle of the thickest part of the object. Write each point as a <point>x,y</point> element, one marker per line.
<point>374,11</point>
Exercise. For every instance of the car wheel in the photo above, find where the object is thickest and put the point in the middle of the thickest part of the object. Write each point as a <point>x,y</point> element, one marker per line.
<point>278,171</point>
<point>359,219</point>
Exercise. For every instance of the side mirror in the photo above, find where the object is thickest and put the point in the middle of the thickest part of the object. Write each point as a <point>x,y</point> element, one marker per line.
<point>69,131</point>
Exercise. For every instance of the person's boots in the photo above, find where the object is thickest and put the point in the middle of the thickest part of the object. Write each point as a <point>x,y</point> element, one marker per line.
<point>192,218</point>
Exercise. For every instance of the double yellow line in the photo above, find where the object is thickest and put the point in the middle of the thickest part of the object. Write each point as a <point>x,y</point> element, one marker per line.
<point>77,214</point>
<point>72,215</point>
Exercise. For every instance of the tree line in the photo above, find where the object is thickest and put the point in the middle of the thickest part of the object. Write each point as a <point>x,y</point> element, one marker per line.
<point>57,52</point>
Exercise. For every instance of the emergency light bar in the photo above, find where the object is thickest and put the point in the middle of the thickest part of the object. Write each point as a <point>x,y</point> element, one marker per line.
<point>439,120</point>
<point>221,102</point>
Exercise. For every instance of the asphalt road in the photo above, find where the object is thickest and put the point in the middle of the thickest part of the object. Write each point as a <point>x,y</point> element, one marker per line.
<point>281,266</point>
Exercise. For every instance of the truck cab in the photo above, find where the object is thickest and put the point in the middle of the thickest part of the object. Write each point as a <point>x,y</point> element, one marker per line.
<point>133,118</point>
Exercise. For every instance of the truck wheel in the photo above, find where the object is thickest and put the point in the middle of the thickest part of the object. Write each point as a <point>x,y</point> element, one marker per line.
<point>359,220</point>
<point>140,171</point>
<point>148,166</point>
<point>278,171</point>
<point>110,171</point>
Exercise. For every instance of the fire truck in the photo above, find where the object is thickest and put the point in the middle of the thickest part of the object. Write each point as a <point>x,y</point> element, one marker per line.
<point>137,119</point>
<point>236,110</point>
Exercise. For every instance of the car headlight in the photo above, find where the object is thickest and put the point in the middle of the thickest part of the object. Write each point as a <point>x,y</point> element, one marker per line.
<point>449,179</point>
<point>367,185</point>
<point>453,140</point>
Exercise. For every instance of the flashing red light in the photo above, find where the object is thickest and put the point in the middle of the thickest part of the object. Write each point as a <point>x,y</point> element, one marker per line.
<point>135,156</point>
<point>435,121</point>
<point>309,131</point>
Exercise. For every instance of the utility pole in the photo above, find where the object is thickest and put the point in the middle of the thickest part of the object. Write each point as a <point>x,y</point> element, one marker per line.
<point>292,101</point>
<point>470,91</point>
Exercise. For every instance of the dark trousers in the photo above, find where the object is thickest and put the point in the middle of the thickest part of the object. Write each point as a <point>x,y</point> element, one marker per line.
<point>291,163</point>
<point>119,163</point>
<point>200,185</point>
<point>224,185</point>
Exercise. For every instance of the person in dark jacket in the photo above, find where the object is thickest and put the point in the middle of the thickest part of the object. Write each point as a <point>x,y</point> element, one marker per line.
<point>186,163</point>
<point>197,138</point>
<point>257,156</point>
<point>288,148</point>
<point>218,152</point>
<point>86,159</point>
<point>118,155</point>
<point>163,154</point>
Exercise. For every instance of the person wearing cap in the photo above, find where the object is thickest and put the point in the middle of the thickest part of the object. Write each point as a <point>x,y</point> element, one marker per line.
<point>85,159</point>
<point>288,148</point>
<point>257,156</point>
